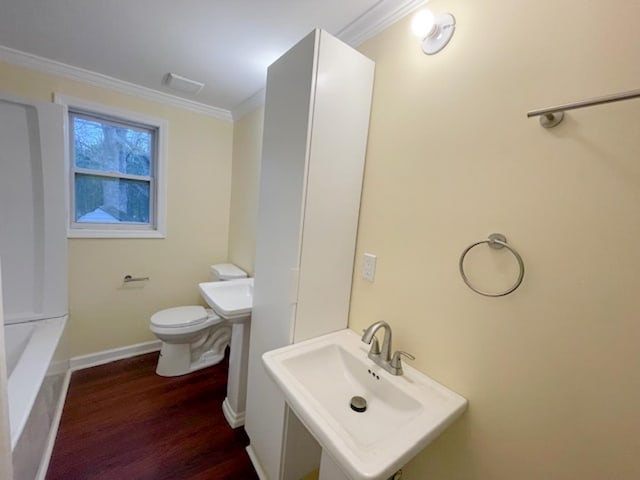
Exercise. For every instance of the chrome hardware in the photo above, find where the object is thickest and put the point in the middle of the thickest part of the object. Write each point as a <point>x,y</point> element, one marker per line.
<point>358,404</point>
<point>368,337</point>
<point>495,241</point>
<point>375,346</point>
<point>382,357</point>
<point>552,116</point>
<point>396,362</point>
<point>129,278</point>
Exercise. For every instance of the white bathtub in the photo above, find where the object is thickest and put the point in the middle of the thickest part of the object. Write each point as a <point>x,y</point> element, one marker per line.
<point>33,249</point>
<point>33,393</point>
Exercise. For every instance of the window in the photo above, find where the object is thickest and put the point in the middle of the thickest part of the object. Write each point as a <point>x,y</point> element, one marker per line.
<point>116,172</point>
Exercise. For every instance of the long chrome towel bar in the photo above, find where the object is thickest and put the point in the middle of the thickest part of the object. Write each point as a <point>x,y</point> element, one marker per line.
<point>552,116</point>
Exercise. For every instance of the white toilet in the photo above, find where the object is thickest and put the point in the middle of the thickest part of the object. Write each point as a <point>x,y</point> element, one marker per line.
<point>193,337</point>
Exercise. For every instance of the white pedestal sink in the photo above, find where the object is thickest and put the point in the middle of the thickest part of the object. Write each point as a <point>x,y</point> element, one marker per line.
<point>404,413</point>
<point>233,300</point>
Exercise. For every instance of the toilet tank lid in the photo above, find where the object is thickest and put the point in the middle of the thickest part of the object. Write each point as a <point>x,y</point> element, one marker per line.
<point>228,271</point>
<point>179,316</point>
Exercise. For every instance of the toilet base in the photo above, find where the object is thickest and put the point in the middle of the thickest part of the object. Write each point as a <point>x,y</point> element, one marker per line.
<point>175,360</point>
<point>234,419</point>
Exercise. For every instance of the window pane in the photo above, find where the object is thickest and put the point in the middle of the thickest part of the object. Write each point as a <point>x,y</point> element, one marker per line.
<point>111,148</point>
<point>111,200</point>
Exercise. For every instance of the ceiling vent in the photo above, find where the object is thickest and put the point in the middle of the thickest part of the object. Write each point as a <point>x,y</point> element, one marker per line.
<point>182,84</point>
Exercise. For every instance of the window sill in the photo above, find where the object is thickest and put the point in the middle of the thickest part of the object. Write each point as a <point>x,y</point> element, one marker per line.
<point>82,233</point>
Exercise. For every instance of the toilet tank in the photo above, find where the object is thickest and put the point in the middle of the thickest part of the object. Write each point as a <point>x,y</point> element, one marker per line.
<point>226,271</point>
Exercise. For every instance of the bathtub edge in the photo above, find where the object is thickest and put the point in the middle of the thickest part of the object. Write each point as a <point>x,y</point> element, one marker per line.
<point>53,432</point>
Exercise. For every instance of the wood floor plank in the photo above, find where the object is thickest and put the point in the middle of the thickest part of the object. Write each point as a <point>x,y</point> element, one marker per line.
<point>121,421</point>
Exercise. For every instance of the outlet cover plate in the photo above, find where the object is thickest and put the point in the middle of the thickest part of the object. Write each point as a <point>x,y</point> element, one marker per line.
<point>369,267</point>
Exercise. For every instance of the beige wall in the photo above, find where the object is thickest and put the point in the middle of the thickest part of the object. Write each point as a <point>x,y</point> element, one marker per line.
<point>105,314</point>
<point>552,371</point>
<point>247,148</point>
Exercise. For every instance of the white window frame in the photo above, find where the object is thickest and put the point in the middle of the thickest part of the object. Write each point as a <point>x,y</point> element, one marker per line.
<point>158,184</point>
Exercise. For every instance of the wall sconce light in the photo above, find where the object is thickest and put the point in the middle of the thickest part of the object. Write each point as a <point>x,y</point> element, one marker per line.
<point>434,30</point>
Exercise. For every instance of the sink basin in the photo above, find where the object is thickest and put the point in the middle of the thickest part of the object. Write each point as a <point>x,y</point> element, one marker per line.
<point>232,300</point>
<point>404,413</point>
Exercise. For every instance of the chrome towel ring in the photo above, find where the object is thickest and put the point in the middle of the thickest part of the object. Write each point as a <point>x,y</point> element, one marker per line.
<point>496,241</point>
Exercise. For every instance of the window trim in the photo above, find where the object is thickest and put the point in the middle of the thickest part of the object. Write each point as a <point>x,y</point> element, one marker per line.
<point>73,113</point>
<point>158,183</point>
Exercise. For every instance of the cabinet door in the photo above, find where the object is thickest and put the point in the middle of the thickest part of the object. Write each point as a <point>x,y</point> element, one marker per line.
<point>341,110</point>
<point>282,183</point>
<point>315,133</point>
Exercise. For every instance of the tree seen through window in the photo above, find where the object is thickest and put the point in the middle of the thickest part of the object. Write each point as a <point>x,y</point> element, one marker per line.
<point>113,165</point>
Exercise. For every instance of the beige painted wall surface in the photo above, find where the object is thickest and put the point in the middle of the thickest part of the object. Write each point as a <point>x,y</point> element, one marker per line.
<point>552,371</point>
<point>247,149</point>
<point>104,313</point>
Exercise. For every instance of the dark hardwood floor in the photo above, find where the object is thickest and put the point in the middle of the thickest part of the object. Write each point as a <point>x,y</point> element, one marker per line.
<point>123,422</point>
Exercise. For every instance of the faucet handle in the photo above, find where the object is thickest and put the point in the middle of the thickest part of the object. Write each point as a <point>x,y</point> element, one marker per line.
<point>395,360</point>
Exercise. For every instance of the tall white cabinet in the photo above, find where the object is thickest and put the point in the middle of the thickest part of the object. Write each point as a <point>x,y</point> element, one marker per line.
<point>316,122</point>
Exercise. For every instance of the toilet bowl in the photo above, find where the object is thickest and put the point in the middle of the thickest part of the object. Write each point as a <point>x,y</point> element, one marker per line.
<point>193,337</point>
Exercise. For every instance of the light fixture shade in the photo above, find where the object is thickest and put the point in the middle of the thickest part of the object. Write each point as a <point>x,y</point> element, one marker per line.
<point>445,25</point>
<point>423,23</point>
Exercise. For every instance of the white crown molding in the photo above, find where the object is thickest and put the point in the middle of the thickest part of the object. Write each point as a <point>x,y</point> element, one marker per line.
<point>23,59</point>
<point>248,105</point>
<point>380,16</point>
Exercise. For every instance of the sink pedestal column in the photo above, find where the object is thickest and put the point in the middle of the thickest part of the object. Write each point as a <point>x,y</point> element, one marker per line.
<point>233,406</point>
<point>329,469</point>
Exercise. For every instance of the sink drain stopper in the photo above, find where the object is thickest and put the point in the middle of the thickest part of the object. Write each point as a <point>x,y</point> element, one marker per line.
<point>358,404</point>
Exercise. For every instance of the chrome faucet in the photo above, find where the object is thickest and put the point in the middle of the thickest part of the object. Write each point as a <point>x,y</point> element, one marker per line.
<point>382,357</point>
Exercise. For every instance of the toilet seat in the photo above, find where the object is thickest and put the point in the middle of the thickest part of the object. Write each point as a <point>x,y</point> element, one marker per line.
<point>181,317</point>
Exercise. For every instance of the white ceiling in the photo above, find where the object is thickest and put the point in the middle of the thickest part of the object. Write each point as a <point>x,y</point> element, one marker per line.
<point>226,44</point>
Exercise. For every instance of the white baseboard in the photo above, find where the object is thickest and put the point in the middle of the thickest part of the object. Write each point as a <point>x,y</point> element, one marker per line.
<point>256,464</point>
<point>234,419</point>
<point>53,432</point>
<point>108,356</point>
